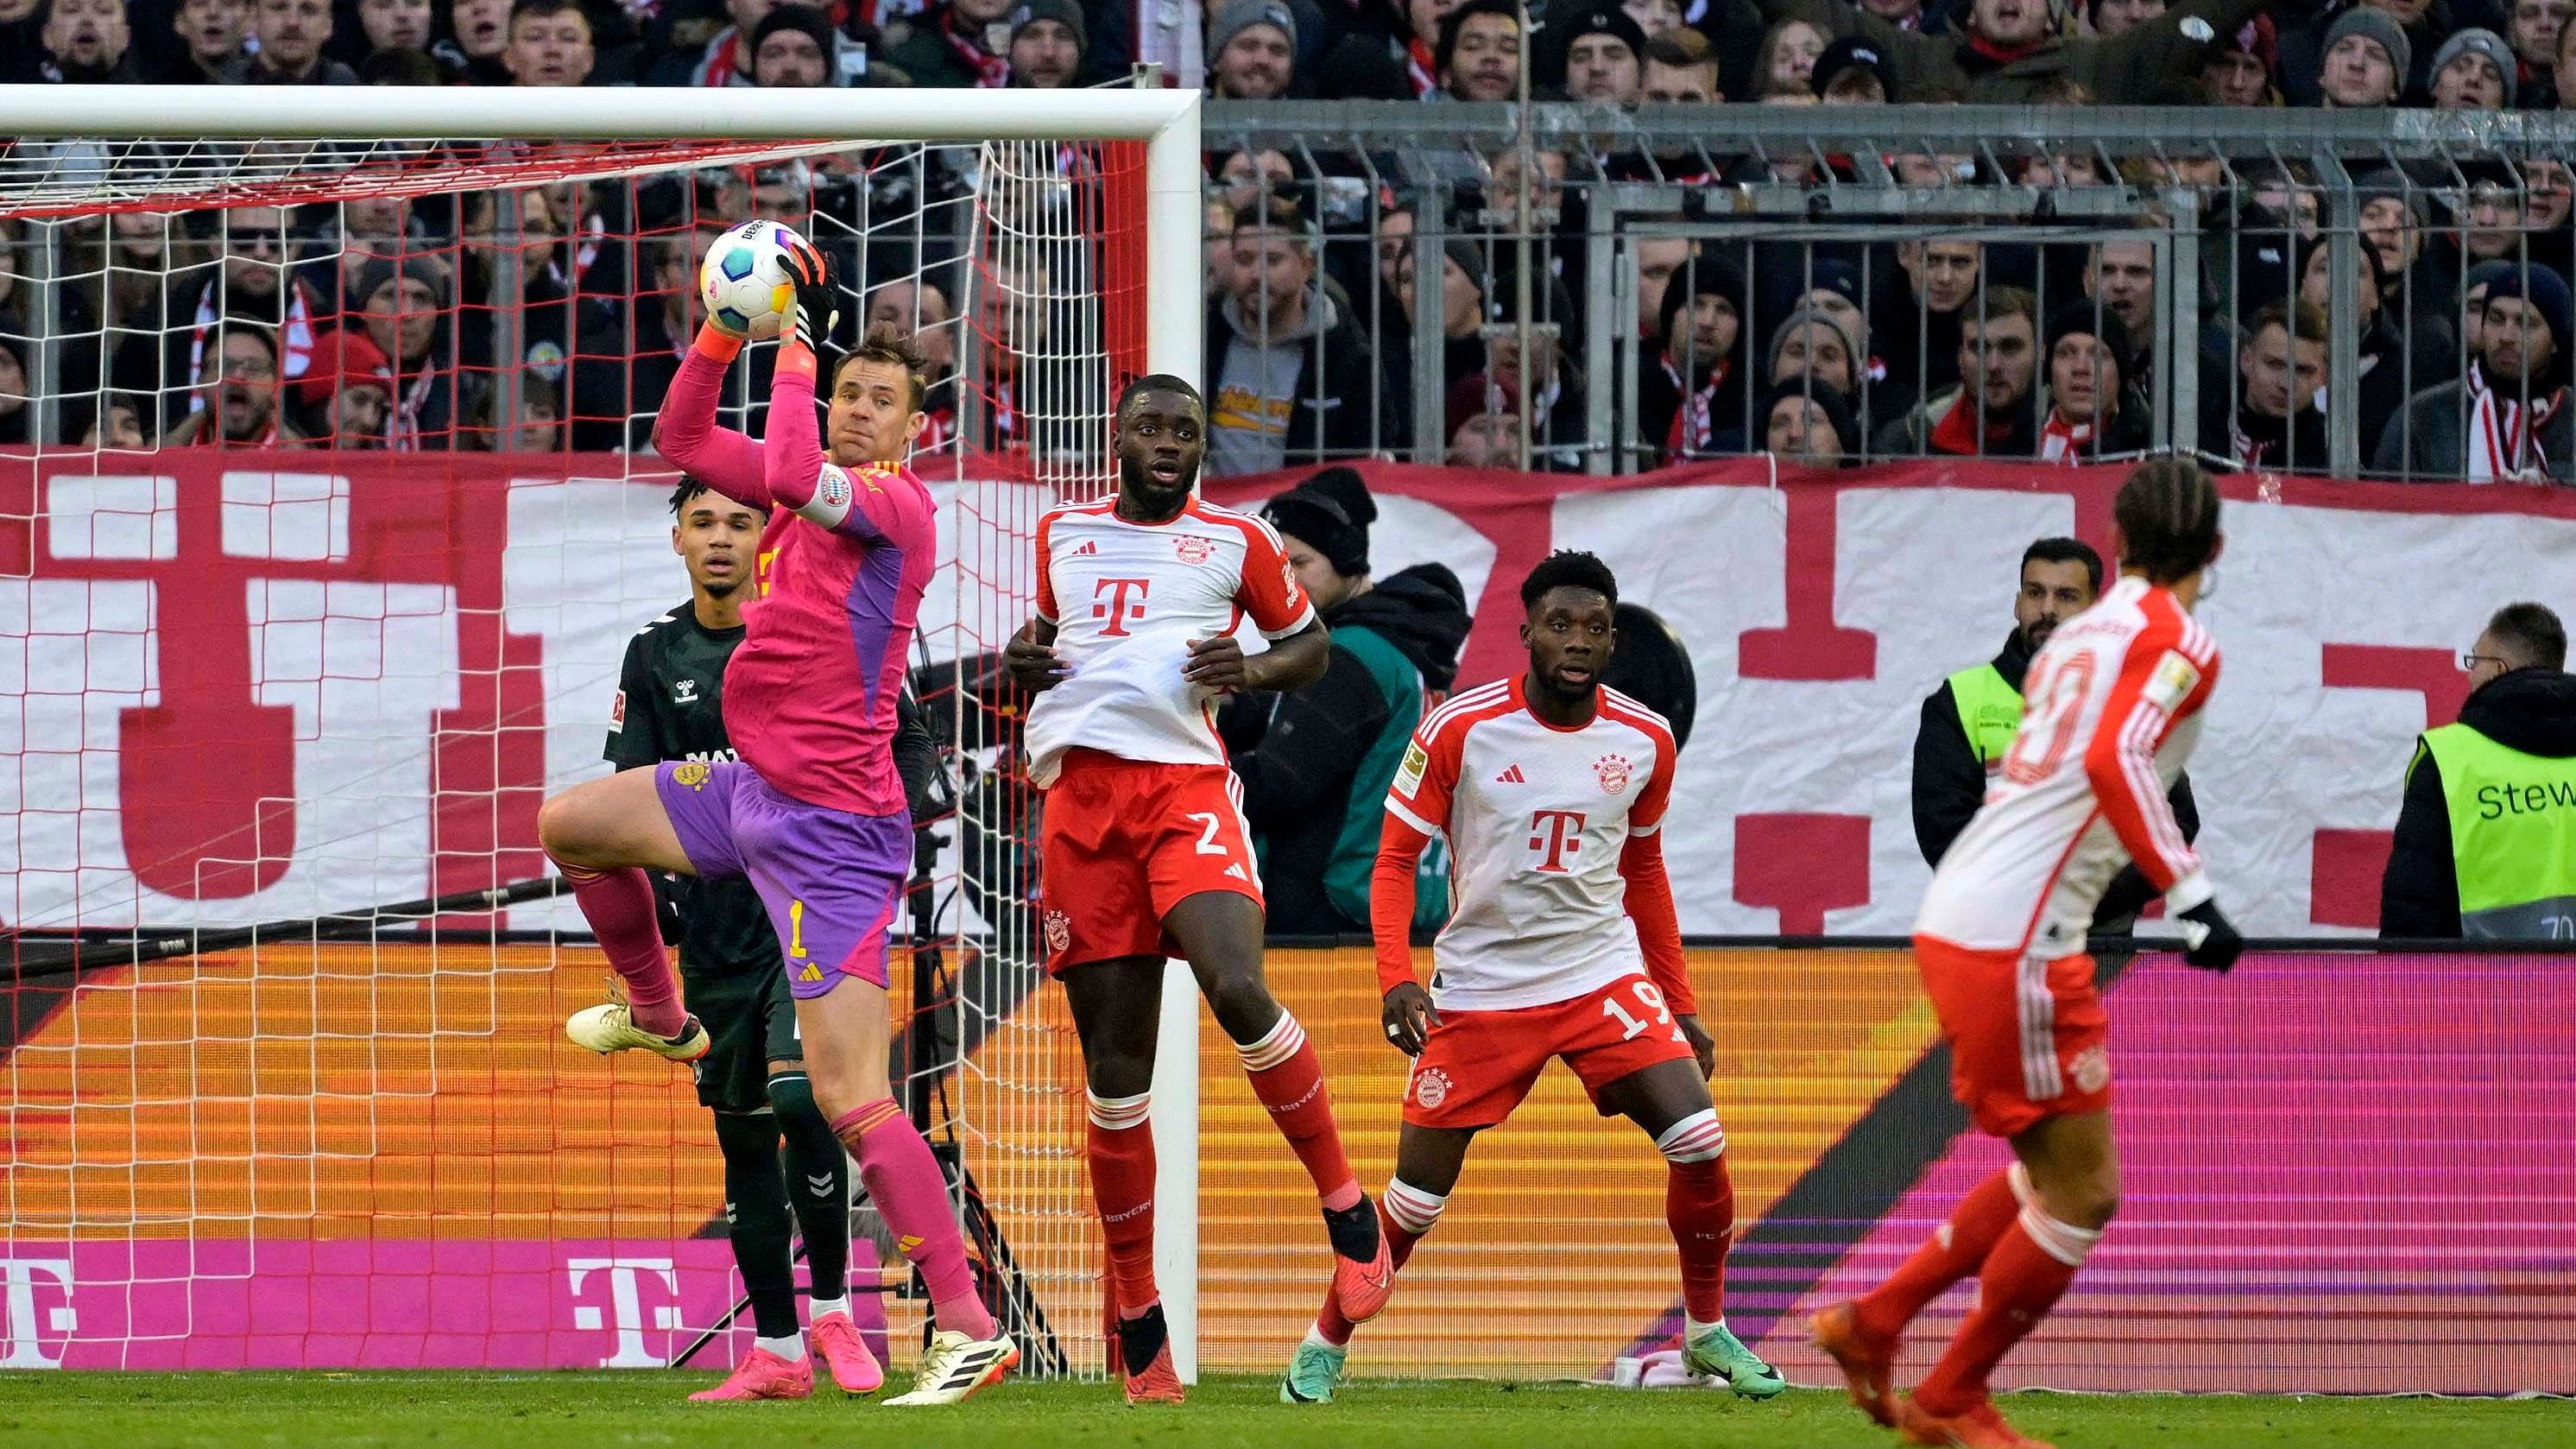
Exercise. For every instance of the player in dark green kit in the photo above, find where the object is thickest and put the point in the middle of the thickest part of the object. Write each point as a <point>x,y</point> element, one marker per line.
<point>670,706</point>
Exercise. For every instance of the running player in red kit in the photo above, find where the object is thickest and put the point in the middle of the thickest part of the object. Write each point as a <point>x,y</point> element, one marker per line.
<point>1144,850</point>
<point>813,809</point>
<point>1552,791</point>
<point>2114,710</point>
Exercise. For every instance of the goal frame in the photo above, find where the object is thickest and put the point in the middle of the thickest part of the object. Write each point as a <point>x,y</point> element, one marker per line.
<point>1167,121</point>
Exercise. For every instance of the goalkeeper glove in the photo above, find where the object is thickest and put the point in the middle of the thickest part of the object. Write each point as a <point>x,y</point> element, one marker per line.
<point>817,300</point>
<point>2210,941</point>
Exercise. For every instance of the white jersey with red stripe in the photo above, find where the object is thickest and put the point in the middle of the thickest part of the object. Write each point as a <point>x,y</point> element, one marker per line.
<point>1539,820</point>
<point>2112,711</point>
<point>1126,600</point>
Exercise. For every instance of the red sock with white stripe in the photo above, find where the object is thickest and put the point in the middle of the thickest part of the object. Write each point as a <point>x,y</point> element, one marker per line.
<point>619,906</point>
<point>1289,1079</point>
<point>2023,1278</point>
<point>1699,1207</point>
<point>1121,1148</point>
<point>1956,1249</point>
<point>1404,1215</point>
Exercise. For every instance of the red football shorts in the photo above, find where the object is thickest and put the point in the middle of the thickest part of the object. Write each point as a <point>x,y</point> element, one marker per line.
<point>1124,841</point>
<point>1476,1066</point>
<point>2028,1039</point>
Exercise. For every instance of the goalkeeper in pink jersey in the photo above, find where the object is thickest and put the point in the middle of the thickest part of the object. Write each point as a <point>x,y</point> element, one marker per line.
<point>813,811</point>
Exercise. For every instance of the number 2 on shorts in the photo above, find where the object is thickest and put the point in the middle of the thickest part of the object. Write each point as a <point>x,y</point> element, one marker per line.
<point>1648,997</point>
<point>1207,835</point>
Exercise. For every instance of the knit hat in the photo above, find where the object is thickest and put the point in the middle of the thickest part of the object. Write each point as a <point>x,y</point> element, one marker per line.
<point>1698,277</point>
<point>2546,292</point>
<point>1069,14</point>
<point>1331,513</point>
<point>1608,20</point>
<point>2386,183</point>
<point>2258,37</point>
<point>1236,16</point>
<point>2484,274</point>
<point>2376,25</point>
<point>808,20</point>
<point>1470,259</point>
<point>2076,319</point>
<point>1837,409</point>
<point>1853,53</point>
<point>373,276</point>
<point>2486,43</point>
<point>1798,319</point>
<point>343,359</point>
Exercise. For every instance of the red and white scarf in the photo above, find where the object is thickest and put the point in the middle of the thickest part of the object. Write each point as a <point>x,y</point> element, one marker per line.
<point>2063,442</point>
<point>991,72</point>
<point>2504,436</point>
<point>1694,429</point>
<point>1417,69</point>
<point>403,430</point>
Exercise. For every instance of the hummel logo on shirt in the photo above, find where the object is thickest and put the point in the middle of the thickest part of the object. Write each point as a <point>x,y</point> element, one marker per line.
<point>1511,776</point>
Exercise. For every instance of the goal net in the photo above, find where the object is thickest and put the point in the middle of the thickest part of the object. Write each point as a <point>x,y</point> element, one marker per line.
<point>327,506</point>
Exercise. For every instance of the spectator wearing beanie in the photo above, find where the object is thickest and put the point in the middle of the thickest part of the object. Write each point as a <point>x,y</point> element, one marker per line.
<point>1252,51</point>
<point>2473,71</point>
<point>345,398</point>
<point>2239,69</point>
<point>1854,72</point>
<point>1316,762</point>
<point>2008,53</point>
<point>1692,388</point>
<point>1600,57</point>
<point>2352,58</point>
<point>794,46</point>
<point>2508,421</point>
<point>1047,43</point>
<point>1810,423</point>
<point>2093,406</point>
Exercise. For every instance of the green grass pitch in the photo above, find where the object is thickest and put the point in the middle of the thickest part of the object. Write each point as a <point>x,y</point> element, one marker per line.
<point>571,1410</point>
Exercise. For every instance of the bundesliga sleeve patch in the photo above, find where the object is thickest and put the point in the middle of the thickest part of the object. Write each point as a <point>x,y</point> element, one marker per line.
<point>2172,683</point>
<point>617,714</point>
<point>1408,776</point>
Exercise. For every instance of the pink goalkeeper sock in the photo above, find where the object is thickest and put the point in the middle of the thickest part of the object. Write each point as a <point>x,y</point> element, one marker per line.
<point>904,1181</point>
<point>619,906</point>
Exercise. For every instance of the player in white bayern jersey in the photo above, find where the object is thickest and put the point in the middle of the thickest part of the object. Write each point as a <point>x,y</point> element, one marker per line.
<point>1144,851</point>
<point>2114,702</point>
<point>1552,791</point>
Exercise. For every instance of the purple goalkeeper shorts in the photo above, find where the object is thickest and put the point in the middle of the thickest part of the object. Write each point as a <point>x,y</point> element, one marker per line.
<point>831,880</point>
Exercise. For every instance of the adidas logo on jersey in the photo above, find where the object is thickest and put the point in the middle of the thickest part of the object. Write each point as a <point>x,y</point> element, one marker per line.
<point>1088,549</point>
<point>1511,776</point>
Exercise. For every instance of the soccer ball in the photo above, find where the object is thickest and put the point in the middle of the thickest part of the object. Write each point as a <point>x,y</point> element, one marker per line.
<point>744,280</point>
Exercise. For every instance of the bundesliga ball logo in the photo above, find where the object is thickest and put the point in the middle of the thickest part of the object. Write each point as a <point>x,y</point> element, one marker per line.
<point>744,281</point>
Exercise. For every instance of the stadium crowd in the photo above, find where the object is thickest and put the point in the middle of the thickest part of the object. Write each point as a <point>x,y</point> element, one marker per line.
<point>388,323</point>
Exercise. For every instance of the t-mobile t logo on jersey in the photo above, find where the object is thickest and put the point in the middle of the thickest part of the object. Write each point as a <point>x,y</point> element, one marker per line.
<point>1556,835</point>
<point>1126,600</point>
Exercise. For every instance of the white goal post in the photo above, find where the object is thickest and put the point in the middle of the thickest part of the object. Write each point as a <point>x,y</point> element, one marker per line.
<point>83,150</point>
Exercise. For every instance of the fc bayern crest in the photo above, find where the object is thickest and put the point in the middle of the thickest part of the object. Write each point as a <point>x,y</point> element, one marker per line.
<point>833,488</point>
<point>1430,1087</point>
<point>1194,549</point>
<point>1059,930</point>
<point>1613,770</point>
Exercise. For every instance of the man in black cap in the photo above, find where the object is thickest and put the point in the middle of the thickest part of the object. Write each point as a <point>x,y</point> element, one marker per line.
<point>2092,407</point>
<point>1853,71</point>
<point>794,46</point>
<point>1316,762</point>
<point>1601,57</point>
<point>1047,43</point>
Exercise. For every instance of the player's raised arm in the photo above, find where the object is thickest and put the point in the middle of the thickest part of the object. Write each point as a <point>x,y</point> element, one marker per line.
<point>686,432</point>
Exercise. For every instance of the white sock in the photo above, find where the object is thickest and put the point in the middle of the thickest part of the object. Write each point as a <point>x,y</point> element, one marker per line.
<point>790,1348</point>
<point>1315,1335</point>
<point>1693,1328</point>
<point>821,1306</point>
